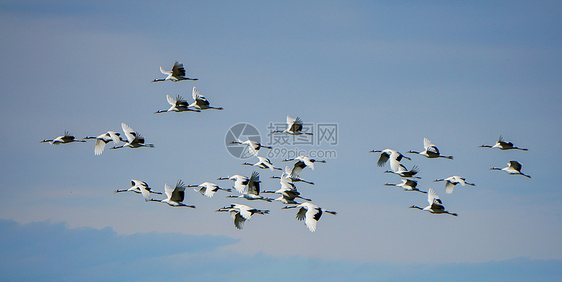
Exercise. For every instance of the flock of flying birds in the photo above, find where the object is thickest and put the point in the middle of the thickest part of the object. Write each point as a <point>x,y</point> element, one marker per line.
<point>431,151</point>
<point>248,188</point>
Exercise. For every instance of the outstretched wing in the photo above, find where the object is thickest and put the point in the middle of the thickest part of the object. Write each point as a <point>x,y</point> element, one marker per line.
<point>129,132</point>
<point>199,99</point>
<point>427,143</point>
<point>297,125</point>
<point>515,165</point>
<point>431,196</point>
<point>312,217</point>
<point>114,137</point>
<point>433,149</point>
<point>254,184</point>
<point>197,95</point>
<point>178,70</point>
<point>244,211</point>
<point>307,161</point>
<point>297,168</point>
<point>171,100</point>
<point>99,146</point>
<point>449,187</point>
<point>179,192</point>
<point>168,190</point>
<point>238,220</point>
<point>434,200</point>
<point>165,72</point>
<point>290,120</point>
<point>145,193</point>
<point>383,159</point>
<point>410,183</point>
<point>301,213</point>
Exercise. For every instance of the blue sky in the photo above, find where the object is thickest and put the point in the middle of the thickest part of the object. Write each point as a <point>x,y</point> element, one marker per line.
<point>460,74</point>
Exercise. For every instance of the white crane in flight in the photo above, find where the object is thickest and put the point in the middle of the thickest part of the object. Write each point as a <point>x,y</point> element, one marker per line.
<point>407,185</point>
<point>136,186</point>
<point>200,102</point>
<point>513,168</point>
<point>310,213</point>
<point>294,127</point>
<point>503,145</point>
<point>176,74</point>
<point>387,154</point>
<point>134,139</point>
<point>435,204</point>
<point>63,139</point>
<point>452,181</point>
<point>174,196</point>
<point>208,189</point>
<point>431,151</point>
<point>240,213</point>
<point>178,104</point>
<point>263,163</point>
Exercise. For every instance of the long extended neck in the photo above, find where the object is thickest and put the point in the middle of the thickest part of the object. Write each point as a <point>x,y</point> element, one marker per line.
<point>416,207</point>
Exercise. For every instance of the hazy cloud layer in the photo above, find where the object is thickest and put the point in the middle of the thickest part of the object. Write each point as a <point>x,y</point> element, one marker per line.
<point>52,252</point>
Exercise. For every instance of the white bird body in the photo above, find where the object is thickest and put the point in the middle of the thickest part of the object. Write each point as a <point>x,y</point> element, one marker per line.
<point>200,102</point>
<point>240,182</point>
<point>310,213</point>
<point>208,189</point>
<point>435,204</point>
<point>103,139</point>
<point>263,163</point>
<point>240,213</point>
<point>294,127</point>
<point>63,139</point>
<point>177,104</point>
<point>137,186</point>
<point>134,139</point>
<point>176,74</point>
<point>503,145</point>
<point>452,181</point>
<point>253,189</point>
<point>407,185</point>
<point>513,168</point>
<point>431,151</point>
<point>174,196</point>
